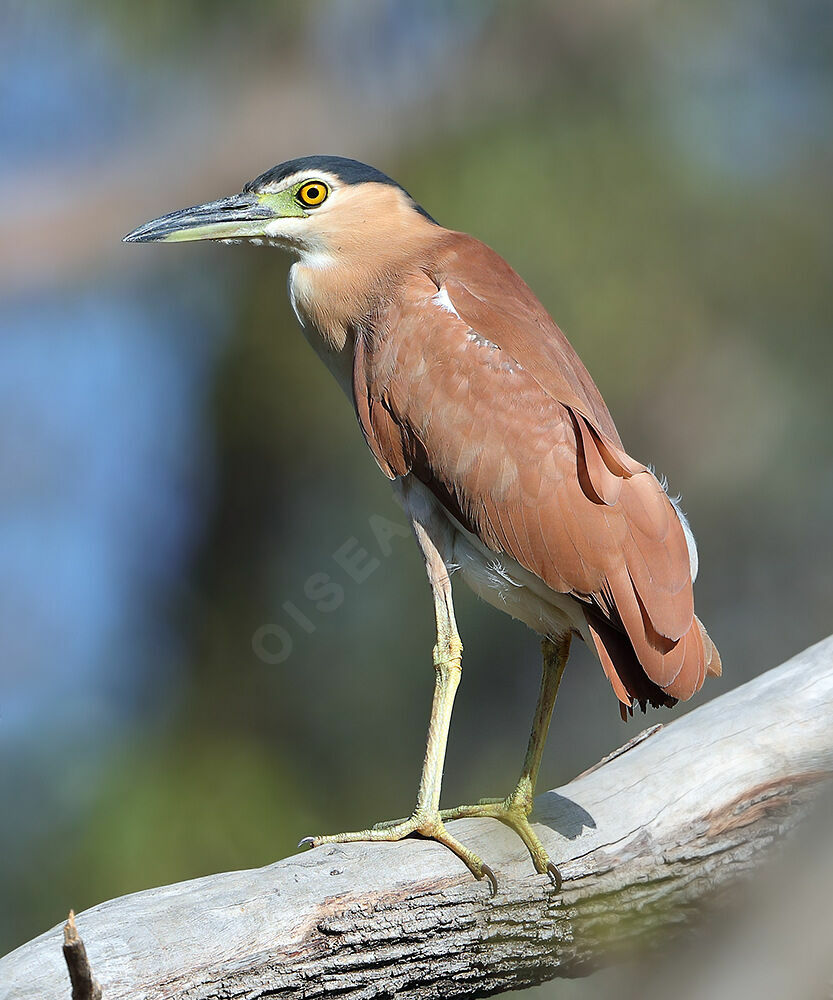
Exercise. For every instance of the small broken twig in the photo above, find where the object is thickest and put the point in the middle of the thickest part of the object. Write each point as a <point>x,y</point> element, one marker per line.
<point>84,984</point>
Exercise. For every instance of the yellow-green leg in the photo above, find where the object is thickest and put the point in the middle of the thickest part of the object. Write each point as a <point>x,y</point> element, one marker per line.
<point>425,819</point>
<point>514,810</point>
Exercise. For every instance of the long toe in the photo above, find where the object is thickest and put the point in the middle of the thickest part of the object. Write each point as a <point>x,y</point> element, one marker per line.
<point>396,830</point>
<point>475,864</point>
<point>431,828</point>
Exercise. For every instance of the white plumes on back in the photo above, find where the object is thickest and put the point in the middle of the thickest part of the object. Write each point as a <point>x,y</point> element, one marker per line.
<point>444,302</point>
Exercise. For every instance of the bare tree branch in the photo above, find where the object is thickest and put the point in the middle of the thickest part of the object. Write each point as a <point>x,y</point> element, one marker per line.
<point>643,841</point>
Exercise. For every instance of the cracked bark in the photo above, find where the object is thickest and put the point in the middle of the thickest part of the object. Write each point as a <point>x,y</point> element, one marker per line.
<point>645,841</point>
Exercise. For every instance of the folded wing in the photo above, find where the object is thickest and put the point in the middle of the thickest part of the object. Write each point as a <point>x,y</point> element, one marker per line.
<point>466,383</point>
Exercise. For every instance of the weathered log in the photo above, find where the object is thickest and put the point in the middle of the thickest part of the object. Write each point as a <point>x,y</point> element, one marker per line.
<point>643,841</point>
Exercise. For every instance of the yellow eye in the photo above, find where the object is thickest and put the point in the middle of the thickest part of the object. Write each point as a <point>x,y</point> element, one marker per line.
<point>312,193</point>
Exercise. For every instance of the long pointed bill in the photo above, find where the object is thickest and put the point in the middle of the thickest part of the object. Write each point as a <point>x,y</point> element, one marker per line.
<point>242,216</point>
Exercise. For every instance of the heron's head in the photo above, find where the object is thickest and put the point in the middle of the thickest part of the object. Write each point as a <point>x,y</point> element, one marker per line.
<point>312,205</point>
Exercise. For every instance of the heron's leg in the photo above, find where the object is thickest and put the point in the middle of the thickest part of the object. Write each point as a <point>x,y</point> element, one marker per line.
<point>425,819</point>
<point>514,810</point>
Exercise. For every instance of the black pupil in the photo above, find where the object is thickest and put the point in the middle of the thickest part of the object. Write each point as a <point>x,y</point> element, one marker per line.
<point>312,193</point>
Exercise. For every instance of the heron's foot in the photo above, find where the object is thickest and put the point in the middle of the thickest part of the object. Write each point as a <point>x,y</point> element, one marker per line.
<point>428,825</point>
<point>514,811</point>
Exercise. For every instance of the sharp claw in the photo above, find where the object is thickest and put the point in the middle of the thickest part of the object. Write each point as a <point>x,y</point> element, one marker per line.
<point>555,876</point>
<point>490,875</point>
<point>307,841</point>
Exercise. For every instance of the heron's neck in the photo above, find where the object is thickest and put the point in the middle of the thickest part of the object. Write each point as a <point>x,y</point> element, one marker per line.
<point>334,295</point>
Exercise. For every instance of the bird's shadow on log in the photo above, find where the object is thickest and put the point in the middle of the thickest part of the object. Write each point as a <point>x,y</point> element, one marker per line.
<point>562,815</point>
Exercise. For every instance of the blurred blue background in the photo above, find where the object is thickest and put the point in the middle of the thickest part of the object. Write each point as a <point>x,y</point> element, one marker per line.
<point>176,465</point>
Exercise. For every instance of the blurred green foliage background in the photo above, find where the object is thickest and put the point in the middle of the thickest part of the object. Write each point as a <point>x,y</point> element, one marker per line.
<point>176,465</point>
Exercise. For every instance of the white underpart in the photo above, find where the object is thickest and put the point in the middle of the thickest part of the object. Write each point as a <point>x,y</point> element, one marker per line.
<point>502,582</point>
<point>497,578</point>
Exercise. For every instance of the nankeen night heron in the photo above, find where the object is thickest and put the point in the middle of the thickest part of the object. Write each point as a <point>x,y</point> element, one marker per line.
<point>499,445</point>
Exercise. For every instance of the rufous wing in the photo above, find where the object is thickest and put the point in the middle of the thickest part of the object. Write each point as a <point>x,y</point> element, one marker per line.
<point>466,383</point>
